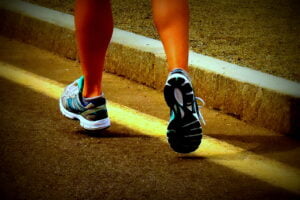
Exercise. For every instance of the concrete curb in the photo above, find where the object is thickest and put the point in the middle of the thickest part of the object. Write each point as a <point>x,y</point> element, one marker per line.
<point>256,97</point>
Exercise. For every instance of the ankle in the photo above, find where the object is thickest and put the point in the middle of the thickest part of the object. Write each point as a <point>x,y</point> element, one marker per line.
<point>91,93</point>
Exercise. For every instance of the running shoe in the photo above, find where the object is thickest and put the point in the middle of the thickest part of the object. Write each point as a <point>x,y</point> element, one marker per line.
<point>92,114</point>
<point>184,130</point>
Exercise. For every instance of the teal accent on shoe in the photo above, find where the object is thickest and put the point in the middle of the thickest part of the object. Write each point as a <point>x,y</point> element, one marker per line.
<point>80,83</point>
<point>172,116</point>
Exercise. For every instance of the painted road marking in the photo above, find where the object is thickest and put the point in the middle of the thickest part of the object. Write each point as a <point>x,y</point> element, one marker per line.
<point>146,44</point>
<point>270,171</point>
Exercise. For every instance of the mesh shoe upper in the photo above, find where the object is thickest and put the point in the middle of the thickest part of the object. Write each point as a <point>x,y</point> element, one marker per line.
<point>72,101</point>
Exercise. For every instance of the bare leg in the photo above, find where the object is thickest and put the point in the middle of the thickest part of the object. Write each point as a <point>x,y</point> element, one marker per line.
<point>171,18</point>
<point>94,27</point>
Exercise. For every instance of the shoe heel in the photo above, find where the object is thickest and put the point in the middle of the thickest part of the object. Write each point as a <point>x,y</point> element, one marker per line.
<point>184,88</point>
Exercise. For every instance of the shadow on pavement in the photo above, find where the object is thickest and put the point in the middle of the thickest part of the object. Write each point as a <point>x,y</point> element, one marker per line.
<point>269,146</point>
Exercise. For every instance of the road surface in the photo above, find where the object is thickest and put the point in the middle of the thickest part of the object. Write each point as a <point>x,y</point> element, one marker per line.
<point>46,156</point>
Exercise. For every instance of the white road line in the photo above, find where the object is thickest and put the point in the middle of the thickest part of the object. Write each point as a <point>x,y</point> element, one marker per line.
<point>142,43</point>
<point>270,171</point>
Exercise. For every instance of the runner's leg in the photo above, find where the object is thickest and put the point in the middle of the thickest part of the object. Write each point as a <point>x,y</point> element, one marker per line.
<point>94,27</point>
<point>171,18</point>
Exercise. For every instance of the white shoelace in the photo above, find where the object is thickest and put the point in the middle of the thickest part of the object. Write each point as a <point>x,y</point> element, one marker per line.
<point>199,107</point>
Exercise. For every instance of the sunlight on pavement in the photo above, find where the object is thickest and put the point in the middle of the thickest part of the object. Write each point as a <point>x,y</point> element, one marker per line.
<point>270,171</point>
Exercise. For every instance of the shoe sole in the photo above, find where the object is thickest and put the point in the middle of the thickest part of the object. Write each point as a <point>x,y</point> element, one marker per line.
<point>86,124</point>
<point>179,93</point>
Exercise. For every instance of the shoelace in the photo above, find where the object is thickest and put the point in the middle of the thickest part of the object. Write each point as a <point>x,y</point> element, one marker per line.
<point>72,90</point>
<point>199,107</point>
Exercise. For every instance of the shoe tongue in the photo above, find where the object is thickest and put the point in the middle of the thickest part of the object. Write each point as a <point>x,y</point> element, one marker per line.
<point>80,83</point>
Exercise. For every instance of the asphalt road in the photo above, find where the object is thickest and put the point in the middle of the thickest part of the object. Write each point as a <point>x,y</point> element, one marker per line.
<point>46,156</point>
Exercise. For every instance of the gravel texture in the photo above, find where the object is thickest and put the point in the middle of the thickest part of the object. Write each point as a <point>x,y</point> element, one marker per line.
<point>263,35</point>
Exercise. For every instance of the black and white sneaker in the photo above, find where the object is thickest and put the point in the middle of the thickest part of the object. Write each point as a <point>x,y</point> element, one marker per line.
<point>184,131</point>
